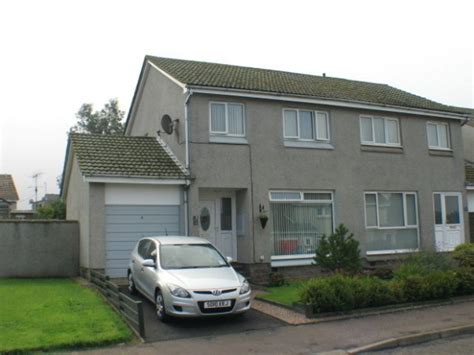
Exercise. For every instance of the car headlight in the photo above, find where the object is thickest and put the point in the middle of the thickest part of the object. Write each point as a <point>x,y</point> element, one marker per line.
<point>178,291</point>
<point>245,287</point>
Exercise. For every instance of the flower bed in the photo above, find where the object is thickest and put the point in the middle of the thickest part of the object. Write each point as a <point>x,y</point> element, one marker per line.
<point>422,277</point>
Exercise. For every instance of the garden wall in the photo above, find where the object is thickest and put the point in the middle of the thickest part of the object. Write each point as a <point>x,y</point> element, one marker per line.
<point>38,248</point>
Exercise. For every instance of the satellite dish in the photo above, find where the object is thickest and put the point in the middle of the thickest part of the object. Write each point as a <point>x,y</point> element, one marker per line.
<point>167,124</point>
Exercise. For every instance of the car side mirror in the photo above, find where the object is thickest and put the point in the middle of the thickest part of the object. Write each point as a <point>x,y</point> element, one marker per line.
<point>149,263</point>
<point>229,259</point>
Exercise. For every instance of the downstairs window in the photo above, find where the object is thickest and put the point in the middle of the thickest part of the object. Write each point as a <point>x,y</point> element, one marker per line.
<point>391,220</point>
<point>299,220</point>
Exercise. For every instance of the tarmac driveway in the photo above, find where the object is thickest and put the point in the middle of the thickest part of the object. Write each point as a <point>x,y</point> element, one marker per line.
<point>181,328</point>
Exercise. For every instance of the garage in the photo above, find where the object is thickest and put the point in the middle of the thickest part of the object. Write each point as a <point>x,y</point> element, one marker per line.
<point>136,211</point>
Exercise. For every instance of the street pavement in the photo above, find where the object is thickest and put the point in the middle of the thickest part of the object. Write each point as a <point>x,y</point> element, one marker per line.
<point>313,338</point>
<point>461,345</point>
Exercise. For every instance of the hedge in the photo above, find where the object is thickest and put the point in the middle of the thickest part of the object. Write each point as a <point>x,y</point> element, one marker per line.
<point>422,277</point>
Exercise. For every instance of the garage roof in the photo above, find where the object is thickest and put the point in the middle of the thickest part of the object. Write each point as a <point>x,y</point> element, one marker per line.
<point>125,156</point>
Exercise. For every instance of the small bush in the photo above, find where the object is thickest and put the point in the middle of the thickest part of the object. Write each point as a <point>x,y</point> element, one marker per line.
<point>277,279</point>
<point>464,255</point>
<point>424,263</point>
<point>339,252</point>
<point>328,294</point>
<point>342,293</point>
<point>465,277</point>
<point>431,286</point>
<point>372,292</point>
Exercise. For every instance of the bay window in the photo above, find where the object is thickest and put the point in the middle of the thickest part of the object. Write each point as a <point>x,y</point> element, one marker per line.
<point>376,130</point>
<point>299,220</point>
<point>391,220</point>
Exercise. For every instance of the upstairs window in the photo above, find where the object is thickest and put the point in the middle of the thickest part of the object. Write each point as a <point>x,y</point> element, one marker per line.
<point>227,119</point>
<point>306,125</point>
<point>376,130</point>
<point>438,135</point>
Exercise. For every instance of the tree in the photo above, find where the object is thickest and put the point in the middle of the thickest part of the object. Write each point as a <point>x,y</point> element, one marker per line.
<point>54,210</point>
<point>106,121</point>
<point>339,252</point>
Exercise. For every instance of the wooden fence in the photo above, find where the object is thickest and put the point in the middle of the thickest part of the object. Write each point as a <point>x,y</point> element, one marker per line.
<point>130,309</point>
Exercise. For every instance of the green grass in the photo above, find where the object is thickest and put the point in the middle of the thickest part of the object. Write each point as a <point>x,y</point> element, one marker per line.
<point>45,314</point>
<point>286,295</point>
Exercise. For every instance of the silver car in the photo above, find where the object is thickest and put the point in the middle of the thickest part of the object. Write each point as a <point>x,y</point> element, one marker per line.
<point>186,277</point>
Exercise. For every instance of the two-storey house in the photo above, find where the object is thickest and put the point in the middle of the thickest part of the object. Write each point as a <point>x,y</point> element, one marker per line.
<point>309,152</point>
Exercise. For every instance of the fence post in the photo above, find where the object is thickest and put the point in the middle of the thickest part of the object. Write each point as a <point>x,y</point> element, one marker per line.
<point>141,320</point>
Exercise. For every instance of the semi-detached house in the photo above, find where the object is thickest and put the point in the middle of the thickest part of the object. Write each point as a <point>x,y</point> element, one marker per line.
<point>310,152</point>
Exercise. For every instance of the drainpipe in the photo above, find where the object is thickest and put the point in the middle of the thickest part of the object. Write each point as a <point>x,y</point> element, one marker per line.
<point>188,93</point>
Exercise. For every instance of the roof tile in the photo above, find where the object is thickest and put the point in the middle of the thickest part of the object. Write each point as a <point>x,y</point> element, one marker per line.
<point>124,156</point>
<point>214,75</point>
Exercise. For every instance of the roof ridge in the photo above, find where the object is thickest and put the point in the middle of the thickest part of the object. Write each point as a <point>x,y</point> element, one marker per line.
<point>172,155</point>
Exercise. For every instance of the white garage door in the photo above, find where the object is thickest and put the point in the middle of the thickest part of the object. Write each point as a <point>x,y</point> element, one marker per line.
<point>130,215</point>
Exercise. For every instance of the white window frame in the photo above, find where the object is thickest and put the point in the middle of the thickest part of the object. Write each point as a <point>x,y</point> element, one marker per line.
<point>448,138</point>
<point>300,259</point>
<point>226,132</point>
<point>316,134</point>
<point>405,225</point>
<point>385,119</point>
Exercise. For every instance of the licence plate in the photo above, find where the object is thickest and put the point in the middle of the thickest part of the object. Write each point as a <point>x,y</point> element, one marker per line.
<point>217,304</point>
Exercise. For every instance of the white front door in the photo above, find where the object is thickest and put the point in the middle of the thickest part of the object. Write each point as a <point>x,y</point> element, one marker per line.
<point>449,227</point>
<point>217,222</point>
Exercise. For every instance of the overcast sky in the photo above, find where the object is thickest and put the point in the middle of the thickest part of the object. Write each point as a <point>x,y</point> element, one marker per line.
<point>56,55</point>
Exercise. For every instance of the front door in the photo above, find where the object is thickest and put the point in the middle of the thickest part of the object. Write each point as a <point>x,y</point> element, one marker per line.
<point>449,227</point>
<point>217,222</point>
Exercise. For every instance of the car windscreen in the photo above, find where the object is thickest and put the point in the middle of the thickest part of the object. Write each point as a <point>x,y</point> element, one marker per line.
<point>190,256</point>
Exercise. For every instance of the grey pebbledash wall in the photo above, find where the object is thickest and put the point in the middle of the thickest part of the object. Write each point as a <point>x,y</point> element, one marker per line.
<point>39,248</point>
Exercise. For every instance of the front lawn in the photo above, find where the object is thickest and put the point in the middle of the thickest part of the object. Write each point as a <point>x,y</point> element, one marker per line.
<point>286,295</point>
<point>45,314</point>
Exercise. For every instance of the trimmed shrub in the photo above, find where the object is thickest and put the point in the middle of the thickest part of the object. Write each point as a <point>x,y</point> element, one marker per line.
<point>339,252</point>
<point>342,293</point>
<point>465,277</point>
<point>377,292</point>
<point>464,255</point>
<point>328,294</point>
<point>434,285</point>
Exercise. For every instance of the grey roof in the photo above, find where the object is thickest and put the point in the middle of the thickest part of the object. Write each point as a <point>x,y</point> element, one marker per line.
<point>212,75</point>
<point>7,188</point>
<point>124,156</point>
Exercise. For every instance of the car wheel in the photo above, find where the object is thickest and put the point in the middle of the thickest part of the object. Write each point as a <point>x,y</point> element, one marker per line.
<point>131,284</point>
<point>160,307</point>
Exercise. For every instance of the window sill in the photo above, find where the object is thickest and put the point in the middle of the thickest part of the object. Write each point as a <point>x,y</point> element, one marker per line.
<point>292,260</point>
<point>390,252</point>
<point>382,149</point>
<point>308,145</point>
<point>441,152</point>
<point>228,140</point>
